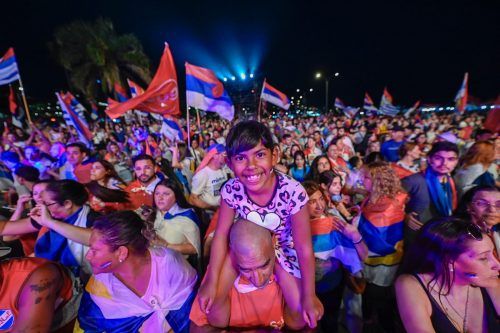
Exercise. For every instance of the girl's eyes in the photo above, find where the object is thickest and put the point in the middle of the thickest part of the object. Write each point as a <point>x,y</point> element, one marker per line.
<point>261,154</point>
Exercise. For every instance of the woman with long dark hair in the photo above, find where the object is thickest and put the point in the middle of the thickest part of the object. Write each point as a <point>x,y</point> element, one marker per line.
<point>106,188</point>
<point>319,164</point>
<point>299,169</point>
<point>438,289</point>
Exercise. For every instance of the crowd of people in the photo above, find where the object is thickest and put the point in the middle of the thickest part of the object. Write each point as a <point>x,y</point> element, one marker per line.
<point>326,223</point>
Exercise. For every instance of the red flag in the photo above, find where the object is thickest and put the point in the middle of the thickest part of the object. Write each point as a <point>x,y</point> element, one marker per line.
<point>162,95</point>
<point>12,101</point>
<point>492,121</point>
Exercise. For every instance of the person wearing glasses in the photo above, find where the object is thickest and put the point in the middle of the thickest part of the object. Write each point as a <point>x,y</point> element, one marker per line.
<point>63,213</point>
<point>481,205</point>
<point>449,281</point>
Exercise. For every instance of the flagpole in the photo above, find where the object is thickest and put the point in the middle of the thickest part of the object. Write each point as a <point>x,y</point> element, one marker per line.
<point>198,120</point>
<point>258,111</point>
<point>260,100</point>
<point>188,125</point>
<point>24,97</point>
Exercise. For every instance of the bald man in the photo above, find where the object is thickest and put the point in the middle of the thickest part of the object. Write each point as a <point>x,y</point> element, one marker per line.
<point>255,299</point>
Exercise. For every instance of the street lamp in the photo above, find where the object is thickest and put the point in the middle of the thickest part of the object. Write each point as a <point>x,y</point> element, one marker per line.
<point>327,78</point>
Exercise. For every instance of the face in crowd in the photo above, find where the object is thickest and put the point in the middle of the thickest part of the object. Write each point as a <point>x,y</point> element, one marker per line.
<point>254,167</point>
<point>144,171</point>
<point>443,162</point>
<point>484,209</point>
<point>164,198</point>
<point>75,156</point>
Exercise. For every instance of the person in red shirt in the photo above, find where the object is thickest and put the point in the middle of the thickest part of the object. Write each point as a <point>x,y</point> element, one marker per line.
<point>140,191</point>
<point>255,299</point>
<point>32,291</point>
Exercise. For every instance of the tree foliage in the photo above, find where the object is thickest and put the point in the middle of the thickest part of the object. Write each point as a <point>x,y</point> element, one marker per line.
<point>95,57</point>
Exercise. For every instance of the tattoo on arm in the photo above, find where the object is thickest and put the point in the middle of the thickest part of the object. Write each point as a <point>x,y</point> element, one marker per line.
<point>43,285</point>
<point>43,290</point>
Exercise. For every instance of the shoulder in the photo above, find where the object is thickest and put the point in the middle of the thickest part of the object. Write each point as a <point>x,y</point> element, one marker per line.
<point>416,179</point>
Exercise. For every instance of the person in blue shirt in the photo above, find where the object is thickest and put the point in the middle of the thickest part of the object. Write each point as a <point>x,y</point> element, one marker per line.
<point>299,169</point>
<point>390,148</point>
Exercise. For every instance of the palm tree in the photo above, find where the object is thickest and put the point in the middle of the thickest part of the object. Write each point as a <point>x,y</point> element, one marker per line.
<point>95,57</point>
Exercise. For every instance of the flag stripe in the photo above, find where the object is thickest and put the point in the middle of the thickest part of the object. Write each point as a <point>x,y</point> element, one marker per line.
<point>196,85</point>
<point>274,96</point>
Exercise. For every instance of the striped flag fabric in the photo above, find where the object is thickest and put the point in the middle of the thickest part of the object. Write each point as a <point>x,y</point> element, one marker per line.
<point>171,129</point>
<point>121,93</point>
<point>409,111</point>
<point>274,96</point>
<point>135,89</point>
<point>9,72</point>
<point>205,92</point>
<point>350,111</point>
<point>368,104</point>
<point>330,243</point>
<point>462,95</point>
<point>381,226</point>
<point>339,104</point>
<point>72,119</point>
<point>94,111</point>
<point>76,106</point>
<point>386,106</point>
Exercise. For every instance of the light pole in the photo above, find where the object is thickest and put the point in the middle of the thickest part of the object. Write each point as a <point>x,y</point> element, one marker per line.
<point>318,76</point>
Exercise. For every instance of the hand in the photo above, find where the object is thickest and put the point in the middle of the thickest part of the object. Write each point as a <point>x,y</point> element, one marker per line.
<point>347,229</point>
<point>22,200</point>
<point>206,295</point>
<point>355,210</point>
<point>412,221</point>
<point>41,215</point>
<point>312,311</point>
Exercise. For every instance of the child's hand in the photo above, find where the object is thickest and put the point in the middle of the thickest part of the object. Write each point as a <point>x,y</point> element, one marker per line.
<point>312,311</point>
<point>349,230</point>
<point>206,296</point>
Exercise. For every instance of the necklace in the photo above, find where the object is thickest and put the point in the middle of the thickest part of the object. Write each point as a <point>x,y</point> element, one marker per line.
<point>464,318</point>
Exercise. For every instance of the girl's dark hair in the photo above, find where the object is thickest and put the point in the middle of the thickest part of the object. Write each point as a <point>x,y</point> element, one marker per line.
<point>374,156</point>
<point>438,244</point>
<point>124,228</point>
<point>178,190</point>
<point>294,165</point>
<point>246,135</point>
<point>110,171</point>
<point>354,161</point>
<point>327,177</point>
<point>461,211</point>
<point>68,189</point>
<point>312,187</point>
<point>107,194</point>
<point>43,181</point>
<point>313,172</point>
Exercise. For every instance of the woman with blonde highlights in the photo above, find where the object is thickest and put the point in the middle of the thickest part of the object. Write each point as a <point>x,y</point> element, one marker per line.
<point>381,225</point>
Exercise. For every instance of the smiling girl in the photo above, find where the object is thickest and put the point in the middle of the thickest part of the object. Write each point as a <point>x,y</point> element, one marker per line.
<point>271,200</point>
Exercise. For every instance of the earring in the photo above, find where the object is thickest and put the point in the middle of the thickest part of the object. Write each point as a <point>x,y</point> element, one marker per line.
<point>121,260</point>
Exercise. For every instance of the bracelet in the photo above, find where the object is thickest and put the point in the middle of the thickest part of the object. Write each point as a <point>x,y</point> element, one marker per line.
<point>359,241</point>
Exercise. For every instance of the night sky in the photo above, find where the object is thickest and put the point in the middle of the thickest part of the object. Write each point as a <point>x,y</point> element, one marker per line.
<point>418,49</point>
